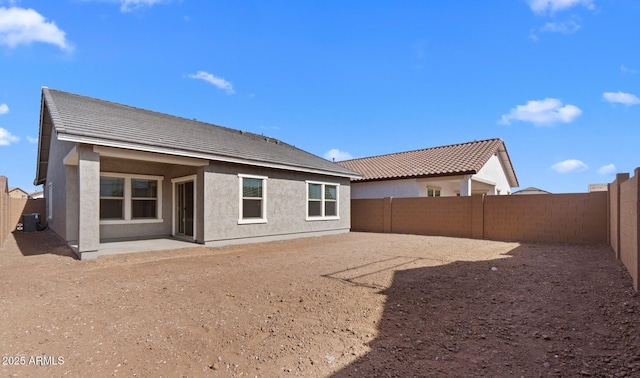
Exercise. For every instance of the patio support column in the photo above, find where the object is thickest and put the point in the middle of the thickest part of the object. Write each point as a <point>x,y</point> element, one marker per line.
<point>206,217</point>
<point>88,200</point>
<point>465,186</point>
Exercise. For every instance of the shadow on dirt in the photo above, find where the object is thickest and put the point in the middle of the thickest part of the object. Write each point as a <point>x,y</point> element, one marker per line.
<point>41,243</point>
<point>541,310</point>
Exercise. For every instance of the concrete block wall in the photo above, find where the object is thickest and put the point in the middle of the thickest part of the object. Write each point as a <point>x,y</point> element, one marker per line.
<point>626,221</point>
<point>614,212</point>
<point>442,216</point>
<point>565,218</point>
<point>21,206</point>
<point>5,210</point>
<point>477,217</point>
<point>370,215</point>
<point>11,210</point>
<point>611,217</point>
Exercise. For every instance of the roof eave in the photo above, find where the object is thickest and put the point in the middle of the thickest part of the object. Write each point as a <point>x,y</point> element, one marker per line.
<point>506,162</point>
<point>228,159</point>
<point>471,172</point>
<point>38,179</point>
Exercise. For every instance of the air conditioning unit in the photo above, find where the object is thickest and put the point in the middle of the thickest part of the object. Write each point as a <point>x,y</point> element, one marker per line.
<point>30,222</point>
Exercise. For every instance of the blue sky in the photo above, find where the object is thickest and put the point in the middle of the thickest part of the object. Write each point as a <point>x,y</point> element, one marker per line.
<point>557,80</point>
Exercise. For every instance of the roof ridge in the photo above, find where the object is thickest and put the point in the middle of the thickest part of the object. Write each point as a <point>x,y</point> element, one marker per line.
<point>225,128</point>
<point>424,149</point>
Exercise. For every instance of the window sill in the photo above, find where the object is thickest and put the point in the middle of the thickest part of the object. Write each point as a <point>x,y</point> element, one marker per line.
<point>252,221</point>
<point>311,219</point>
<point>130,221</point>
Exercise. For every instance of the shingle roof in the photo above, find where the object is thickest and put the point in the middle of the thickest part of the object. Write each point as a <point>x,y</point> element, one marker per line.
<point>79,118</point>
<point>455,159</point>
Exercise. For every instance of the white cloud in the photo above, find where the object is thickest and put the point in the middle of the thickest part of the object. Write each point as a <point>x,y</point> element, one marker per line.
<point>553,6</point>
<point>571,165</point>
<point>32,140</point>
<point>338,155</point>
<point>4,108</point>
<point>566,27</point>
<point>627,70</point>
<point>542,112</point>
<point>620,98</point>
<point>19,26</point>
<point>608,169</point>
<point>130,5</point>
<point>213,79</point>
<point>6,138</point>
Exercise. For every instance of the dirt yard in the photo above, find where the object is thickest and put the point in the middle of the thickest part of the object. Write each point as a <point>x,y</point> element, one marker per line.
<point>353,305</point>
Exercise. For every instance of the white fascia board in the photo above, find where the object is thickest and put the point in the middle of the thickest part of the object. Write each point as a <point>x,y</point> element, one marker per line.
<point>509,170</point>
<point>148,156</point>
<point>169,151</point>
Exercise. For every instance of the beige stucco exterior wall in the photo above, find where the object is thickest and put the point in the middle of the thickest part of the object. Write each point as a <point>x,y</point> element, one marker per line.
<point>137,230</point>
<point>63,183</point>
<point>286,205</point>
<point>76,201</point>
<point>73,190</point>
<point>88,199</point>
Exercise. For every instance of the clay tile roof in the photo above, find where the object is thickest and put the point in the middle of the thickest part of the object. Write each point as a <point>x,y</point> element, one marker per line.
<point>455,159</point>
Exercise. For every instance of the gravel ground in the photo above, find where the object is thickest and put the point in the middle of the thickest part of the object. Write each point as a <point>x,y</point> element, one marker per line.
<point>350,305</point>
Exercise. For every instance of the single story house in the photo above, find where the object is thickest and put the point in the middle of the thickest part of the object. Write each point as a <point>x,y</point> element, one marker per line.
<point>598,188</point>
<point>478,167</point>
<point>115,172</point>
<point>530,190</point>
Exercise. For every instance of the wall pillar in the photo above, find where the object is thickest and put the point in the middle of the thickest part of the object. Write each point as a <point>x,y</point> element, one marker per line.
<point>477,217</point>
<point>636,229</point>
<point>465,186</point>
<point>388,227</point>
<point>202,206</point>
<point>88,200</point>
<point>614,212</point>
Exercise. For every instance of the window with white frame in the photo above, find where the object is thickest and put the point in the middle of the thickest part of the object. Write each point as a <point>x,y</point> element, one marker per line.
<point>322,200</point>
<point>111,197</point>
<point>253,199</point>
<point>144,198</point>
<point>433,192</point>
<point>130,198</point>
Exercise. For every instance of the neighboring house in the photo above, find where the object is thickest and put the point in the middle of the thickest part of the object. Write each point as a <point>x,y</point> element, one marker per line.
<point>478,167</point>
<point>36,195</point>
<point>115,172</point>
<point>18,193</point>
<point>598,187</point>
<point>530,190</point>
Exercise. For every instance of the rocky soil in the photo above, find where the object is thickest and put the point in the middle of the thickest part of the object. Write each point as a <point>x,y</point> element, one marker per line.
<point>351,305</point>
